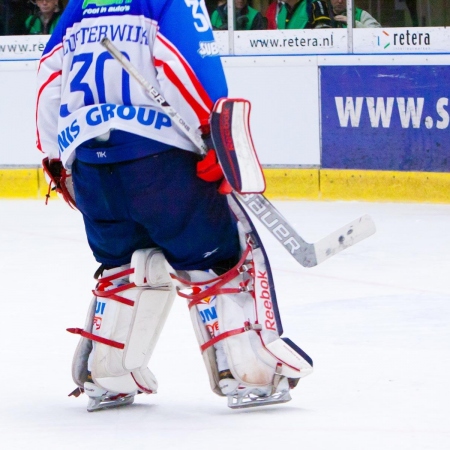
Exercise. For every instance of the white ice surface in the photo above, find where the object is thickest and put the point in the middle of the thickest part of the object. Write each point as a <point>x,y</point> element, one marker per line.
<point>374,318</point>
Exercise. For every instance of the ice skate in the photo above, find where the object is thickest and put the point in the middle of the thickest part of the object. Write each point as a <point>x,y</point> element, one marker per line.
<point>242,396</point>
<point>102,399</point>
<point>247,397</point>
<point>227,383</point>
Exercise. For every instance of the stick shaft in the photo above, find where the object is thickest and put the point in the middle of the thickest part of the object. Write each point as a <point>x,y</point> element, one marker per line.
<point>307,254</point>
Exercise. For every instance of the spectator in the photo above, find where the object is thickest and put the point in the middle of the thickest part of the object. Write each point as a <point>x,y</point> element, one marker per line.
<point>271,14</point>
<point>45,19</point>
<point>338,13</point>
<point>211,5</point>
<point>13,14</point>
<point>247,18</point>
<point>412,8</point>
<point>297,14</point>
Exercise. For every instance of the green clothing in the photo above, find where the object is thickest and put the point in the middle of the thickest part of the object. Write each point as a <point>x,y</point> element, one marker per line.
<point>304,14</point>
<point>295,19</point>
<point>244,18</point>
<point>34,24</point>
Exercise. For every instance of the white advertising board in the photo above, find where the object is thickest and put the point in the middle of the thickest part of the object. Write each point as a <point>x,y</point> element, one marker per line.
<point>284,93</point>
<point>17,113</point>
<point>290,42</point>
<point>284,42</point>
<point>401,40</point>
<point>19,48</point>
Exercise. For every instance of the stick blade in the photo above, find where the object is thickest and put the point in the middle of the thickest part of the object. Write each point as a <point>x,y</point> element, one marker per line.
<point>350,234</point>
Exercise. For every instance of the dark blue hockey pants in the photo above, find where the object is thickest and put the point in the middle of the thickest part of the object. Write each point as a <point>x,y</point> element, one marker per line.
<point>155,201</point>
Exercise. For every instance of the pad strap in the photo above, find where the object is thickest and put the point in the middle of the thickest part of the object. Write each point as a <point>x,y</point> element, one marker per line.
<point>247,327</point>
<point>198,295</point>
<point>110,294</point>
<point>94,337</point>
<point>217,289</point>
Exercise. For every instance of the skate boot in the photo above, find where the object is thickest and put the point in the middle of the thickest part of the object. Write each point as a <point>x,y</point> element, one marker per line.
<point>244,396</point>
<point>100,398</point>
<point>250,396</point>
<point>227,382</point>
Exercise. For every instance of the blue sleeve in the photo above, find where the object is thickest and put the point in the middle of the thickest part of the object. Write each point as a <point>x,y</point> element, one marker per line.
<point>186,24</point>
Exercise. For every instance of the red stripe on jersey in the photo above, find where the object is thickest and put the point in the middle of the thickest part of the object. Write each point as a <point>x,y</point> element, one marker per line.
<point>190,73</point>
<point>59,47</point>
<point>52,77</point>
<point>200,111</point>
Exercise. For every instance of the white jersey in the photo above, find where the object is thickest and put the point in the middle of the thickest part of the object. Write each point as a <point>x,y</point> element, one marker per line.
<point>83,92</point>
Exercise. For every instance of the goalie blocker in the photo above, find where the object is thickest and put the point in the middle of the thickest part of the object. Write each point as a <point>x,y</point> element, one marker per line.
<point>230,133</point>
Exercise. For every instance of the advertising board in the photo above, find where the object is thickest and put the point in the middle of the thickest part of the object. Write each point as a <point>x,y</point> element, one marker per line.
<point>401,40</point>
<point>385,118</point>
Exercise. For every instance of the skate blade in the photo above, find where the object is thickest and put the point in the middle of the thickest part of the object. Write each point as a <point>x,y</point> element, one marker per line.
<point>99,404</point>
<point>251,401</point>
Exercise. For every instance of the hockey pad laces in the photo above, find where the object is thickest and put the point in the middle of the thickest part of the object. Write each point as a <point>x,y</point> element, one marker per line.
<point>214,286</point>
<point>102,291</point>
<point>226,334</point>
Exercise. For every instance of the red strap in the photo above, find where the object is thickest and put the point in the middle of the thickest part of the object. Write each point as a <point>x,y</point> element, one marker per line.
<point>220,281</point>
<point>247,327</point>
<point>96,338</point>
<point>216,292</point>
<point>218,338</point>
<point>111,294</point>
<point>77,392</point>
<point>227,275</point>
<point>48,193</point>
<point>117,275</point>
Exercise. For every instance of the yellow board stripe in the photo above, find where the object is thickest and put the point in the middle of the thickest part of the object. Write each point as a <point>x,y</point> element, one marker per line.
<point>22,183</point>
<point>374,185</point>
<point>365,185</point>
<point>292,184</point>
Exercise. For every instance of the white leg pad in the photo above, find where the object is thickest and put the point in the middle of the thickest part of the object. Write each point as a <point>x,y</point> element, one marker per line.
<point>254,356</point>
<point>257,354</point>
<point>209,355</point>
<point>83,350</point>
<point>133,327</point>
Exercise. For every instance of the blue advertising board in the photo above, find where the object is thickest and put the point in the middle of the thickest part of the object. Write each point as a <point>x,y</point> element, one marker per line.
<point>385,118</point>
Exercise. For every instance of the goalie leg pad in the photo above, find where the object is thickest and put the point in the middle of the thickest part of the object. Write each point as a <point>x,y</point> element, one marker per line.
<point>131,308</point>
<point>281,354</point>
<point>248,323</point>
<point>83,350</point>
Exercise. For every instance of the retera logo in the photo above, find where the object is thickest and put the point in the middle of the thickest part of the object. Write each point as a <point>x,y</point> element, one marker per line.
<point>385,46</point>
<point>412,39</point>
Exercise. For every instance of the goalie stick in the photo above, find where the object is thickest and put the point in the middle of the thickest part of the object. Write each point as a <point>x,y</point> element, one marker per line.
<point>307,254</point>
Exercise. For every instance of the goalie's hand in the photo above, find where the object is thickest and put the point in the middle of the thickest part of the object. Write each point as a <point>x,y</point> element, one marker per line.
<point>208,169</point>
<point>59,180</point>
